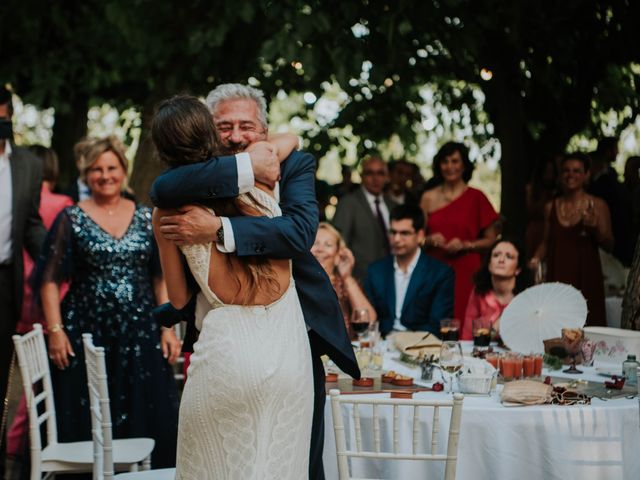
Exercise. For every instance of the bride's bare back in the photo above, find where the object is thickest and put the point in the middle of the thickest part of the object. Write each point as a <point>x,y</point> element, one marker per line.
<point>229,282</point>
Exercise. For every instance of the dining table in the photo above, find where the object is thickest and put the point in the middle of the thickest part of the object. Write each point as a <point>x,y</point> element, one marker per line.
<point>600,440</point>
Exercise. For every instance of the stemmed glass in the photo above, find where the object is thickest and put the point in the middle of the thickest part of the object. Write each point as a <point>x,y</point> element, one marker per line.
<point>360,322</point>
<point>572,339</point>
<point>451,360</point>
<point>585,212</point>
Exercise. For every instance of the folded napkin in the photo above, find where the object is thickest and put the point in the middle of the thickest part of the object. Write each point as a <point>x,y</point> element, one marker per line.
<point>417,344</point>
<point>526,392</point>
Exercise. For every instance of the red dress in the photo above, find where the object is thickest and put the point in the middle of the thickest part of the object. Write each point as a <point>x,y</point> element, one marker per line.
<point>573,258</point>
<point>465,218</point>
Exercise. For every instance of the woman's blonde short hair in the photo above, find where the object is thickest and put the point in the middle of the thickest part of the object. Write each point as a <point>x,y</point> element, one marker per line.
<point>88,150</point>
<point>332,230</point>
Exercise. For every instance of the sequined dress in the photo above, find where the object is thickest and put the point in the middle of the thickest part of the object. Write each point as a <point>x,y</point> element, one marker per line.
<point>111,296</point>
<point>247,405</point>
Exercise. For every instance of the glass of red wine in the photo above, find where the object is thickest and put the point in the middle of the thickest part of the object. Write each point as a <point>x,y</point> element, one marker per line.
<point>360,322</point>
<point>449,329</point>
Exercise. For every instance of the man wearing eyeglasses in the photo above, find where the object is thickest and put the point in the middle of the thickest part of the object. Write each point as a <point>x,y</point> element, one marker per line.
<point>239,115</point>
<point>408,289</point>
<point>362,217</point>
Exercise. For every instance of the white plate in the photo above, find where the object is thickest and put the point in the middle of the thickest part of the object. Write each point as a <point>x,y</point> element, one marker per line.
<point>608,372</point>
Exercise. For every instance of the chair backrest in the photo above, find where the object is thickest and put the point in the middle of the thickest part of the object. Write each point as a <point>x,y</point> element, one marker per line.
<point>101,434</point>
<point>36,381</point>
<point>433,453</point>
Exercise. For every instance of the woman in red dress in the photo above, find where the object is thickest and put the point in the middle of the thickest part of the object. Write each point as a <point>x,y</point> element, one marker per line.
<point>577,224</point>
<point>460,220</point>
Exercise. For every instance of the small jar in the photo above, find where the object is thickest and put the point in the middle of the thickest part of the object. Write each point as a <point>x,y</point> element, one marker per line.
<point>630,370</point>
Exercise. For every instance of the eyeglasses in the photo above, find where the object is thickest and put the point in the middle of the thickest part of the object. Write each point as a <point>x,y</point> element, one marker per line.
<point>402,233</point>
<point>246,127</point>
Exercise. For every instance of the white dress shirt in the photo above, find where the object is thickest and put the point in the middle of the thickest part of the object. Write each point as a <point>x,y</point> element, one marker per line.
<point>6,205</point>
<point>84,191</point>
<point>383,206</point>
<point>401,281</point>
<point>246,181</point>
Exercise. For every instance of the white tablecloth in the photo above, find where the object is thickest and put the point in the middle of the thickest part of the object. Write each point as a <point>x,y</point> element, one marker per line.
<point>598,441</point>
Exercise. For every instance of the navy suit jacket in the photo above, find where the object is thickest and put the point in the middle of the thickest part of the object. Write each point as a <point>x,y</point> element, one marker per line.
<point>428,300</point>
<point>288,236</point>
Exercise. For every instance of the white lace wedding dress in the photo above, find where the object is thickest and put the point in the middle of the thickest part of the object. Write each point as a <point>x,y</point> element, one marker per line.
<point>247,405</point>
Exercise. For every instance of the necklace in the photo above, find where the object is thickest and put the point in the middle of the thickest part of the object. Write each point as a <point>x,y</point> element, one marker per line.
<point>572,214</point>
<point>110,211</point>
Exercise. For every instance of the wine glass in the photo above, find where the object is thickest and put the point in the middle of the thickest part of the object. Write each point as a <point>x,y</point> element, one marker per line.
<point>572,339</point>
<point>451,360</point>
<point>360,322</point>
<point>588,211</point>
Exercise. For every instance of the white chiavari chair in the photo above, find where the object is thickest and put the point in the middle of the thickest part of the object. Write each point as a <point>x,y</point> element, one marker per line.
<point>109,455</point>
<point>360,448</point>
<point>55,457</point>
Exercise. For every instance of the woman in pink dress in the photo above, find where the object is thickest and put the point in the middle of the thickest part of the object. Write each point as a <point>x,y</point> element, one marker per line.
<point>501,277</point>
<point>460,219</point>
<point>50,205</point>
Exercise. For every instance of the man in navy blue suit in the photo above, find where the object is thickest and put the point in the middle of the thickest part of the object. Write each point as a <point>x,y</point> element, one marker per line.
<point>408,289</point>
<point>239,114</point>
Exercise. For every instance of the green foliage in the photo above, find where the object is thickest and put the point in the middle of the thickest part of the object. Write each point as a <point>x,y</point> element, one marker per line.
<point>555,66</point>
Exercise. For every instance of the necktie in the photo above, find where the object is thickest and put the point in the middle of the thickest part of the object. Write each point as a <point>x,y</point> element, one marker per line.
<point>383,226</point>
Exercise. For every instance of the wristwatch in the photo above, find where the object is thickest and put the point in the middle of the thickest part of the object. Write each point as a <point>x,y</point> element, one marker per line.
<point>220,235</point>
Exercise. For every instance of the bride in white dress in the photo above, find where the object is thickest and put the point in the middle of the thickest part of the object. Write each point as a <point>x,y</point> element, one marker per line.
<point>247,406</point>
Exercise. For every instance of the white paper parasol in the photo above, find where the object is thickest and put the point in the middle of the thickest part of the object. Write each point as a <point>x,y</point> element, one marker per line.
<point>539,313</point>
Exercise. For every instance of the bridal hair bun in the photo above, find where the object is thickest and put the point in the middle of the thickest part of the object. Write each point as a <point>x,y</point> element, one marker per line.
<point>183,131</point>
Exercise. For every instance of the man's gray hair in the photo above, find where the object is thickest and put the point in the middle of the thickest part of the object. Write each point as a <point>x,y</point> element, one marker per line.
<point>234,91</point>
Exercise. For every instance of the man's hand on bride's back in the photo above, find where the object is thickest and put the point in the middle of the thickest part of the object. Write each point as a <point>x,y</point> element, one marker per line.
<point>265,163</point>
<point>189,225</point>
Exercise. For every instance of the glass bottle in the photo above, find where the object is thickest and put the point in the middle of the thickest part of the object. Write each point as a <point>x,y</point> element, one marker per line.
<point>630,370</point>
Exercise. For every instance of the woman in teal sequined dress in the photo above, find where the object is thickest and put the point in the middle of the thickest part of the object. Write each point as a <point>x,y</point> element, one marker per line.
<point>105,247</point>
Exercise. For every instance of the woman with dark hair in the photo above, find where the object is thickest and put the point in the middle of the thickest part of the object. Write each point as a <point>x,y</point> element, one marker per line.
<point>502,276</point>
<point>577,224</point>
<point>460,221</point>
<point>247,406</point>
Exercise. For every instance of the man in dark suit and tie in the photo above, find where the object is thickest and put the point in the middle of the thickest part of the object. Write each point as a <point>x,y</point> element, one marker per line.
<point>20,227</point>
<point>408,289</point>
<point>362,217</point>
<point>239,114</point>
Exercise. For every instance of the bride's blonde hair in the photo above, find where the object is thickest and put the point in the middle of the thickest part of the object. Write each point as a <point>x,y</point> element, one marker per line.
<point>183,133</point>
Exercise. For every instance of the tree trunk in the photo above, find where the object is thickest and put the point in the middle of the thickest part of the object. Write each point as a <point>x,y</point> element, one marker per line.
<point>507,114</point>
<point>146,166</point>
<point>69,127</point>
